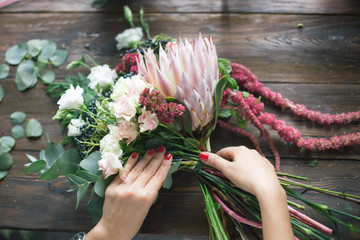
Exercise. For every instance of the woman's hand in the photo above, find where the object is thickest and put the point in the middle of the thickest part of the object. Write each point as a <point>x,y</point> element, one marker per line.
<point>253,173</point>
<point>129,198</point>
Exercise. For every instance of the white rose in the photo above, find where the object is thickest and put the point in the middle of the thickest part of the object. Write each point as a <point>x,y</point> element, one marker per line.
<point>74,127</point>
<point>128,36</point>
<point>110,144</point>
<point>72,98</point>
<point>135,84</point>
<point>101,75</point>
<point>109,164</point>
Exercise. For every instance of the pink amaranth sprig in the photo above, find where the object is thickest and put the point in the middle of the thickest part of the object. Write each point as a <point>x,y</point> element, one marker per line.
<point>128,64</point>
<point>246,79</point>
<point>290,134</point>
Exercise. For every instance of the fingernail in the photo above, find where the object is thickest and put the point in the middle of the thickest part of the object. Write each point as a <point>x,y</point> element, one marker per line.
<point>160,149</point>
<point>204,156</point>
<point>151,152</point>
<point>134,155</point>
<point>168,156</point>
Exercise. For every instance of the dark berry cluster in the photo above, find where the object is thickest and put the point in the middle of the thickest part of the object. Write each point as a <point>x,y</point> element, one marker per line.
<point>130,74</point>
<point>82,141</point>
<point>92,107</point>
<point>108,93</point>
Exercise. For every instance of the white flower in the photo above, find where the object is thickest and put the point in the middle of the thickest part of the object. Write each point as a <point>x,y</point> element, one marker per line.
<point>109,164</point>
<point>74,127</point>
<point>128,36</point>
<point>148,121</point>
<point>101,75</point>
<point>110,144</point>
<point>72,98</point>
<point>136,84</point>
<point>125,107</point>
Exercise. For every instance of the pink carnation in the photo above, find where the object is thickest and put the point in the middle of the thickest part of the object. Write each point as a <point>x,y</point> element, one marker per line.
<point>127,130</point>
<point>148,121</point>
<point>109,164</point>
<point>125,107</point>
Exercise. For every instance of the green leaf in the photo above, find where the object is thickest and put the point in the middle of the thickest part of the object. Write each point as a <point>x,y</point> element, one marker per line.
<point>98,3</point>
<point>34,47</point>
<point>68,162</point>
<point>224,65</point>
<point>26,66</point>
<point>128,15</point>
<point>245,94</point>
<point>36,166</point>
<point>2,93</point>
<point>101,185</point>
<point>4,71</point>
<point>32,159</point>
<point>88,176</point>
<point>83,188</point>
<point>33,128</point>
<point>225,113</point>
<point>15,54</point>
<point>6,144</point>
<point>191,142</point>
<point>95,206</point>
<point>51,173</point>
<point>59,58</point>
<point>48,49</point>
<point>76,180</point>
<point>41,64</point>
<point>18,132</point>
<point>17,117</point>
<point>6,161</point>
<point>153,143</point>
<point>90,163</point>
<point>168,180</point>
<point>73,65</point>
<point>313,163</point>
<point>25,80</point>
<point>241,122</point>
<point>51,153</point>
<point>3,174</point>
<point>48,77</point>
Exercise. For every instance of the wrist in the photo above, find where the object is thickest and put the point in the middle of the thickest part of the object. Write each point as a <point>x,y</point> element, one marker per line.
<point>271,193</point>
<point>98,232</point>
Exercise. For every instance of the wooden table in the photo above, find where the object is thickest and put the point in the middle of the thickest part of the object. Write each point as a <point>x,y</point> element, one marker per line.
<point>318,65</point>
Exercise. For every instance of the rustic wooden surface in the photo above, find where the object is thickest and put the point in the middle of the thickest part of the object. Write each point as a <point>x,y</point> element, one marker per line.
<point>318,66</point>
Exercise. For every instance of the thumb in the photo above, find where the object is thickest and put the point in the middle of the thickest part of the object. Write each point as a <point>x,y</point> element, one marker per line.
<point>214,160</point>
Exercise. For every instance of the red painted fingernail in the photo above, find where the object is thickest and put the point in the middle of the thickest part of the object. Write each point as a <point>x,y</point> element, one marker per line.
<point>134,155</point>
<point>168,156</point>
<point>204,156</point>
<point>160,149</point>
<point>151,152</point>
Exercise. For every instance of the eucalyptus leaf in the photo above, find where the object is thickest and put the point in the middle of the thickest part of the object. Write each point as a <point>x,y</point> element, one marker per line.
<point>2,93</point>
<point>51,153</point>
<point>34,47</point>
<point>33,128</point>
<point>3,174</point>
<point>59,58</point>
<point>41,64</point>
<point>101,185</point>
<point>25,80</point>
<point>88,176</point>
<point>51,173</point>
<point>15,54</point>
<point>68,162</point>
<point>17,117</point>
<point>48,77</point>
<point>90,163</point>
<point>98,3</point>
<point>95,206</point>
<point>83,188</point>
<point>153,143</point>
<point>76,180</point>
<point>36,166</point>
<point>26,66</point>
<point>17,132</point>
<point>6,161</point>
<point>313,163</point>
<point>48,49</point>
<point>4,71</point>
<point>6,144</point>
<point>32,159</point>
<point>168,180</point>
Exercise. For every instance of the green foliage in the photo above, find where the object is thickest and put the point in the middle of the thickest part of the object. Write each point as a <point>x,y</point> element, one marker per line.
<point>25,80</point>
<point>4,71</point>
<point>36,166</point>
<point>128,16</point>
<point>101,185</point>
<point>48,77</point>
<point>2,93</point>
<point>48,50</point>
<point>313,163</point>
<point>90,163</point>
<point>33,128</point>
<point>15,54</point>
<point>17,117</point>
<point>3,174</point>
<point>144,24</point>
<point>34,47</point>
<point>59,58</point>
<point>17,132</point>
<point>224,70</point>
<point>6,161</point>
<point>98,3</point>
<point>6,144</point>
<point>168,180</point>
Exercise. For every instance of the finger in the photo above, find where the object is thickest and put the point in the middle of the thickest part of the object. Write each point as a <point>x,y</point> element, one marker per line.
<point>150,170</point>
<point>214,160</point>
<point>159,177</point>
<point>139,167</point>
<point>130,164</point>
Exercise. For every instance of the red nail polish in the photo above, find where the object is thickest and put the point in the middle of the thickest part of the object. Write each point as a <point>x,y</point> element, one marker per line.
<point>134,155</point>
<point>204,156</point>
<point>168,156</point>
<point>151,152</point>
<point>160,149</point>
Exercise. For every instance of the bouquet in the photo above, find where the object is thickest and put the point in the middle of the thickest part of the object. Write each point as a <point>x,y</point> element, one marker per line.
<point>174,94</point>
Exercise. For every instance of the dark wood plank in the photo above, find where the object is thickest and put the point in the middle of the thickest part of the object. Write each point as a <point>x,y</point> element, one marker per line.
<point>256,6</point>
<point>325,51</point>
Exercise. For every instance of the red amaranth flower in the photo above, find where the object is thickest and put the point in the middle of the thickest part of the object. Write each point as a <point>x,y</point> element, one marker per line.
<point>128,64</point>
<point>150,100</point>
<point>167,112</point>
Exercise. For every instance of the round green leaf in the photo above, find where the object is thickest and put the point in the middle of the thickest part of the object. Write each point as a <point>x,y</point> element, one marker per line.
<point>26,66</point>
<point>41,64</point>
<point>16,54</point>
<point>36,166</point>
<point>6,144</point>
<point>18,132</point>
<point>34,47</point>
<point>59,58</point>
<point>2,93</point>
<point>48,49</point>
<point>3,174</point>
<point>33,128</point>
<point>48,77</point>
<point>6,161</point>
<point>17,117</point>
<point>25,80</point>
<point>4,71</point>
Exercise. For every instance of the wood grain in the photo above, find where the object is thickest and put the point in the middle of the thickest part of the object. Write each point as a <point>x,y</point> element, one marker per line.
<point>185,6</point>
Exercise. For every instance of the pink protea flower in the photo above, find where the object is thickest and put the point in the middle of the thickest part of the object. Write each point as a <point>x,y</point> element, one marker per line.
<point>189,73</point>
